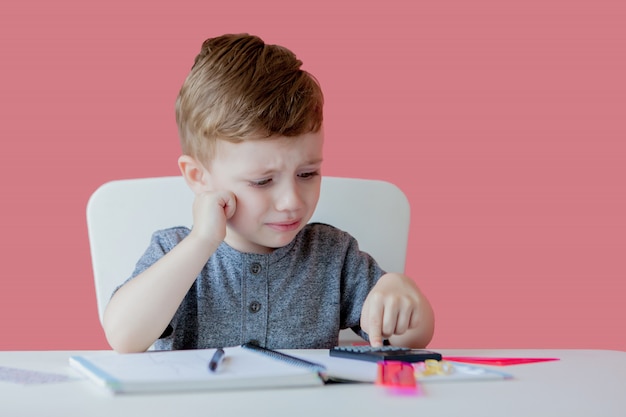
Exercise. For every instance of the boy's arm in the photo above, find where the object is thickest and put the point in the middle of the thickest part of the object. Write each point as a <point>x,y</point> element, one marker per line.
<point>396,309</point>
<point>142,308</point>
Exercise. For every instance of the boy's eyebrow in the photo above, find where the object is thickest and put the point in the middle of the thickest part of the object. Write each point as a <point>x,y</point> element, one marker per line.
<point>270,170</point>
<point>315,161</point>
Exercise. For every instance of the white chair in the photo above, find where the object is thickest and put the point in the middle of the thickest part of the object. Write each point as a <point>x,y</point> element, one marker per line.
<point>123,214</point>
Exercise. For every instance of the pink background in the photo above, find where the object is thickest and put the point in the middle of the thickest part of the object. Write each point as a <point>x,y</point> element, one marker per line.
<point>503,121</point>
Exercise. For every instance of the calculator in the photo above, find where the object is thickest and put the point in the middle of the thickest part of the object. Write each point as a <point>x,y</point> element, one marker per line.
<point>384,353</point>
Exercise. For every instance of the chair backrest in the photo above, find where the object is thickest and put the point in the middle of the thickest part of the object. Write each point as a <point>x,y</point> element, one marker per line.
<point>123,214</point>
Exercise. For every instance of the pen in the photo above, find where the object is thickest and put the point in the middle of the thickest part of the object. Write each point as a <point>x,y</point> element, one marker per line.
<point>216,360</point>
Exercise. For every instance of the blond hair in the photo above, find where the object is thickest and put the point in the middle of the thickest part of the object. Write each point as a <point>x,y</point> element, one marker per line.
<point>239,88</point>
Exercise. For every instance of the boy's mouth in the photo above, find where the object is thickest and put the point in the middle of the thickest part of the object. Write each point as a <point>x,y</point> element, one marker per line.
<point>285,226</point>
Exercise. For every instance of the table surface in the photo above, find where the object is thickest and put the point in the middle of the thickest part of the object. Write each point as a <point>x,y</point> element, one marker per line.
<point>582,383</point>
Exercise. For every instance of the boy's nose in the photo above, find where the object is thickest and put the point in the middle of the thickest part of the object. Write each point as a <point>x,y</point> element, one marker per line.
<point>289,198</point>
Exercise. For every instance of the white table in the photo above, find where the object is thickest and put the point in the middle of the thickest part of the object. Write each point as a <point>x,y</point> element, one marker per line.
<point>582,383</point>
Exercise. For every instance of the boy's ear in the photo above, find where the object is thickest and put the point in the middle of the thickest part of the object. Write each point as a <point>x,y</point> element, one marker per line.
<point>196,176</point>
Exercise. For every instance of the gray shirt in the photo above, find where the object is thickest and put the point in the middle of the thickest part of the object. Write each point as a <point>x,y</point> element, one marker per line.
<point>298,296</point>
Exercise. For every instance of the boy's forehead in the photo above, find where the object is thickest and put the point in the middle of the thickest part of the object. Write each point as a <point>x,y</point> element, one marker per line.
<point>303,149</point>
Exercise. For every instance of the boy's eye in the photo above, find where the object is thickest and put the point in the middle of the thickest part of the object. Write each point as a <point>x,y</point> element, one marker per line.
<point>261,183</point>
<point>306,175</point>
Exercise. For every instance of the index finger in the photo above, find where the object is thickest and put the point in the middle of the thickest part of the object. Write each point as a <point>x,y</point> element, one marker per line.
<point>375,324</point>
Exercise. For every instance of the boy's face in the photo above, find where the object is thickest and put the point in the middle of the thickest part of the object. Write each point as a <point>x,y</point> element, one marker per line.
<point>276,183</point>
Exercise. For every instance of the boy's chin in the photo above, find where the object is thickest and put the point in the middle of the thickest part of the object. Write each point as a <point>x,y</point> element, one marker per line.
<point>279,243</point>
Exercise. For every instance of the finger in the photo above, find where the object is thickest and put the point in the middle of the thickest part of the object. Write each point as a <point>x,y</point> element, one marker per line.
<point>376,339</point>
<point>403,321</point>
<point>415,319</point>
<point>229,202</point>
<point>390,321</point>
<point>373,323</point>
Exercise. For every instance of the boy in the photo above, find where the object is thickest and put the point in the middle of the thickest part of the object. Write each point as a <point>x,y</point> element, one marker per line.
<point>251,268</point>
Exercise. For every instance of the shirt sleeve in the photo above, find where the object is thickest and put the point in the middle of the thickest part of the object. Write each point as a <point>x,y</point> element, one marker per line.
<point>161,242</point>
<point>359,275</point>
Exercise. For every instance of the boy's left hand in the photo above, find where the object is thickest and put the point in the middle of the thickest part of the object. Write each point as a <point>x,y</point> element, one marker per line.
<point>394,306</point>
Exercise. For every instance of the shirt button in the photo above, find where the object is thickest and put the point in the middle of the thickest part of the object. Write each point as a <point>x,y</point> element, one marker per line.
<point>254,307</point>
<point>255,268</point>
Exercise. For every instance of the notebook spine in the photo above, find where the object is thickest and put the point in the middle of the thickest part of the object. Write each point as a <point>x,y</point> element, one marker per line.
<point>285,358</point>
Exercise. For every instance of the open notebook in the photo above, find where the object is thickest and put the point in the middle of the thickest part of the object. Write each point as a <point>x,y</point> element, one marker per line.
<point>187,370</point>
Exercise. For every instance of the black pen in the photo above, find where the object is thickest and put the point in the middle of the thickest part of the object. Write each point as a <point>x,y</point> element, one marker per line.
<point>216,360</point>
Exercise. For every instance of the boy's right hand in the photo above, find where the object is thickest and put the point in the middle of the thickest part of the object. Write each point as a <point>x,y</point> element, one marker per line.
<point>211,210</point>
